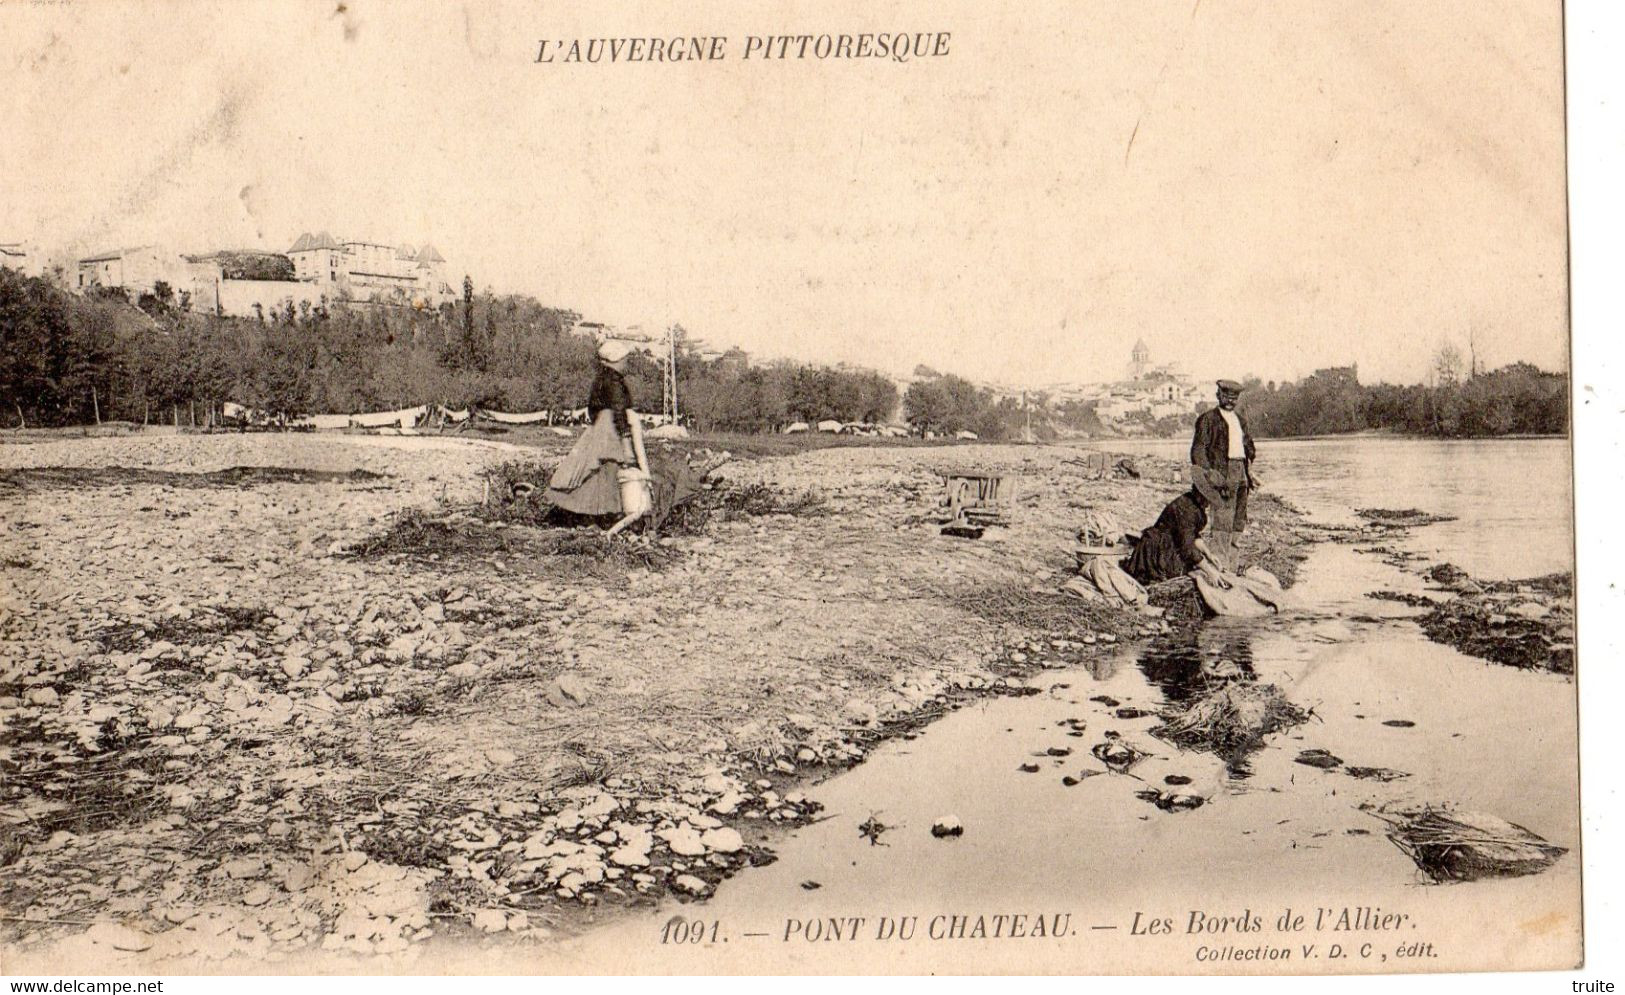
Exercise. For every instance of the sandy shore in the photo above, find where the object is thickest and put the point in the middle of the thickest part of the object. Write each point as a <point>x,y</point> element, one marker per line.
<point>228,738</point>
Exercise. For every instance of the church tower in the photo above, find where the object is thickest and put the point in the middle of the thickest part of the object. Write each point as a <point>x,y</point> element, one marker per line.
<point>1142,359</point>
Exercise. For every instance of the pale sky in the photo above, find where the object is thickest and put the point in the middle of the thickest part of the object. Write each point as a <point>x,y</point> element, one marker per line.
<point>1309,183</point>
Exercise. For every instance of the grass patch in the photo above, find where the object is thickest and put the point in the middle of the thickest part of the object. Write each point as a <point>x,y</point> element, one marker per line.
<point>517,492</point>
<point>204,627</point>
<point>449,537</point>
<point>41,478</point>
<point>1230,720</point>
<point>756,500</point>
<point>78,790</point>
<point>1400,517</point>
<point>726,503</point>
<point>1053,614</point>
<point>1453,845</point>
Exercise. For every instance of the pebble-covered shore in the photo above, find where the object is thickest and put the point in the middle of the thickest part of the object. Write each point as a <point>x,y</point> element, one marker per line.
<point>227,736</point>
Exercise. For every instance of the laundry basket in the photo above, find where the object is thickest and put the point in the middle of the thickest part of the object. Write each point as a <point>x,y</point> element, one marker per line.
<point>635,494</point>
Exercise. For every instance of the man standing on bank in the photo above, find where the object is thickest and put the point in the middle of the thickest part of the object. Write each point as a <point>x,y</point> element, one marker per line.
<point>1222,469</point>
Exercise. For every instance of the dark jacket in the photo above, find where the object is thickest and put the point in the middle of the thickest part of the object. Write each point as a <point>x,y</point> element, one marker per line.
<point>609,392</point>
<point>1168,549</point>
<point>1210,446</point>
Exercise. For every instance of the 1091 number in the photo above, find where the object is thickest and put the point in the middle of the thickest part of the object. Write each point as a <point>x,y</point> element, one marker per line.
<point>680,930</point>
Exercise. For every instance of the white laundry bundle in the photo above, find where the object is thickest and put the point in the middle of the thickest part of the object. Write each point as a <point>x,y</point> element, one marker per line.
<point>1098,528</point>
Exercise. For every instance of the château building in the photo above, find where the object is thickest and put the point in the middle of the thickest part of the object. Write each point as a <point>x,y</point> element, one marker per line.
<point>359,270</point>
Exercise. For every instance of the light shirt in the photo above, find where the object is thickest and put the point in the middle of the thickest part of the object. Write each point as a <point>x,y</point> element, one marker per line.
<point>1238,443</point>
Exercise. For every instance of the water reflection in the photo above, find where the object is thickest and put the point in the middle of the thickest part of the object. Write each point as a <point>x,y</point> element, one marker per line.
<point>1207,677</point>
<point>1187,663</point>
<point>1105,666</point>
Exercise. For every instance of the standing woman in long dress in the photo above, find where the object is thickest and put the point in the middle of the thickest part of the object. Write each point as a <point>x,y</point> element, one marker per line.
<point>586,480</point>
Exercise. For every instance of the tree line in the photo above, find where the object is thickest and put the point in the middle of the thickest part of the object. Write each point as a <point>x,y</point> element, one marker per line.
<point>944,404</point>
<point>1517,399</point>
<point>69,359</point>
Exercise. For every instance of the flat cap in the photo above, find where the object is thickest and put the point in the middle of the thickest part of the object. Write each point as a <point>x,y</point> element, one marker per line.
<point>1230,385</point>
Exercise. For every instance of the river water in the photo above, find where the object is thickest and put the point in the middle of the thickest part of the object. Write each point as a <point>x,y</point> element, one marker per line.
<point>1272,835</point>
<point>1511,498</point>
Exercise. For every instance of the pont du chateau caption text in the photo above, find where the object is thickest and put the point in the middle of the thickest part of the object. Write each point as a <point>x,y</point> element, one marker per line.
<point>1345,935</point>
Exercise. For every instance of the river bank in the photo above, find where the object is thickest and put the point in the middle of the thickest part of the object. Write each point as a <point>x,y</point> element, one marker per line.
<point>232,737</point>
<point>1091,798</point>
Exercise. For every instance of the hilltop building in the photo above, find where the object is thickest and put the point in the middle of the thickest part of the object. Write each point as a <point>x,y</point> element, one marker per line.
<point>1141,360</point>
<point>136,270</point>
<point>361,271</point>
<point>1150,393</point>
<point>319,269</point>
<point>213,283</point>
<point>20,256</point>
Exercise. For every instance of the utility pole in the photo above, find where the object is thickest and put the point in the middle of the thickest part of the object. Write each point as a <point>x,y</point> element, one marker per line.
<point>668,377</point>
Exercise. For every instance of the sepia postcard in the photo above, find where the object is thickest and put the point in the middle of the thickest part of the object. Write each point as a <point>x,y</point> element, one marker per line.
<point>718,488</point>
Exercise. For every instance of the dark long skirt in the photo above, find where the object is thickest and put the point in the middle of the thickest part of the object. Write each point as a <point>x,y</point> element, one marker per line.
<point>585,482</point>
<point>1167,549</point>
